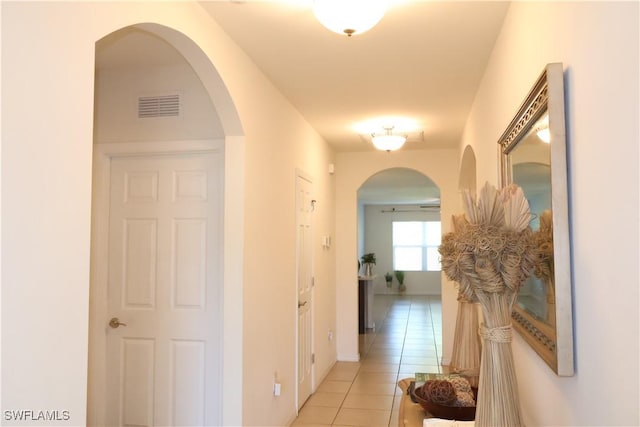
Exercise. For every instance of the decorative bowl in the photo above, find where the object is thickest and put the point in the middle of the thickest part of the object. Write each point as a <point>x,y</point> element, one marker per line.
<point>458,413</point>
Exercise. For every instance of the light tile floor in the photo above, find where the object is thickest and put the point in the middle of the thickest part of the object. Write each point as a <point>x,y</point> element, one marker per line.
<point>407,339</point>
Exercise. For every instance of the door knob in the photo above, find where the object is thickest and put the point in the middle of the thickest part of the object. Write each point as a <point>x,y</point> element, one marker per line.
<point>301,304</point>
<point>115,322</point>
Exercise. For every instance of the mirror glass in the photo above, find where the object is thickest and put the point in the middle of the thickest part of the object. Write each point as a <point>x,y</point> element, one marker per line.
<point>531,170</point>
<point>533,156</point>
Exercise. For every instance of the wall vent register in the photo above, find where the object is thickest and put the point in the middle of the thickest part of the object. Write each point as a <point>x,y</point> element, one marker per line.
<point>159,106</point>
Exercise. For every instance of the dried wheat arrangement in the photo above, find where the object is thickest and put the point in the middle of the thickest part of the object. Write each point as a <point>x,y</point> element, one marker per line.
<point>465,357</point>
<point>490,256</point>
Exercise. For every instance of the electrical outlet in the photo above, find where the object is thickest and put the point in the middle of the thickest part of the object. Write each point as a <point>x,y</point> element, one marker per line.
<point>276,389</point>
<point>330,335</point>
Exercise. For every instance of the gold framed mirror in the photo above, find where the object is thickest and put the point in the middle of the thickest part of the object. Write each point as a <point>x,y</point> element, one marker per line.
<point>533,156</point>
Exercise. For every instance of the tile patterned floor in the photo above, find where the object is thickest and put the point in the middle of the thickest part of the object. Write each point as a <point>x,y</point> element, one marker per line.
<point>407,339</point>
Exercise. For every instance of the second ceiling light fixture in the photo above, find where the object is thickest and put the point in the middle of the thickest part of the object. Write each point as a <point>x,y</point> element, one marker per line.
<point>388,141</point>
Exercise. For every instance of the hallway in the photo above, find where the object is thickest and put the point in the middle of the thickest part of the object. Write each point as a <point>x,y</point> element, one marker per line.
<point>407,339</point>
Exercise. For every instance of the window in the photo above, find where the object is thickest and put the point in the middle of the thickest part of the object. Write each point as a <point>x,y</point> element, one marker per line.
<point>415,245</point>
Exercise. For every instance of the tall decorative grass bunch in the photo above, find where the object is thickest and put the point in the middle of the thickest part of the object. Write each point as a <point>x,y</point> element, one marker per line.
<point>490,253</point>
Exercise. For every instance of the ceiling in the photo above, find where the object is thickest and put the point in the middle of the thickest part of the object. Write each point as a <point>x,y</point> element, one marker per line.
<point>417,70</point>
<point>423,62</point>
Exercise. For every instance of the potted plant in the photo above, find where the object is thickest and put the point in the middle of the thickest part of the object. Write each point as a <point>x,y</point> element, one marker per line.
<point>368,260</point>
<point>388,278</point>
<point>400,276</point>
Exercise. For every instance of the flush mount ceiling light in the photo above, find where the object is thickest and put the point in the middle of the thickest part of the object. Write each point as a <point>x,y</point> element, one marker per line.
<point>349,16</point>
<point>388,141</point>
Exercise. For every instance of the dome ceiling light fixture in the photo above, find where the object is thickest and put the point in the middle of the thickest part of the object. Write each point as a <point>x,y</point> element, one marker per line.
<point>349,16</point>
<point>388,141</point>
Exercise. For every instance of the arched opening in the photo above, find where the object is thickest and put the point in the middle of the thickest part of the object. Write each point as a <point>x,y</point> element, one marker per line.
<point>164,135</point>
<point>354,172</point>
<point>467,176</point>
<point>399,222</point>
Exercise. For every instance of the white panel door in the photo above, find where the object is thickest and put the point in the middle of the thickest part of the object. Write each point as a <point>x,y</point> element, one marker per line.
<point>164,287</point>
<point>304,286</point>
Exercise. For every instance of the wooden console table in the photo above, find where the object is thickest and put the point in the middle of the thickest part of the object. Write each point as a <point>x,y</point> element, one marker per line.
<point>365,304</point>
<point>409,414</point>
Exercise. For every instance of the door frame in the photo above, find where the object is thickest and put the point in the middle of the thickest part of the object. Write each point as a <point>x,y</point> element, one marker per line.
<point>301,174</point>
<point>98,315</point>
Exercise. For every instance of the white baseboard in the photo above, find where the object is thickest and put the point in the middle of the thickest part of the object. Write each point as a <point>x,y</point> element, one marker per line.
<point>349,357</point>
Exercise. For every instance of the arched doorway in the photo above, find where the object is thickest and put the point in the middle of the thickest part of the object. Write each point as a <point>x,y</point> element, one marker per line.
<point>389,202</point>
<point>355,170</point>
<point>160,376</point>
<point>467,176</point>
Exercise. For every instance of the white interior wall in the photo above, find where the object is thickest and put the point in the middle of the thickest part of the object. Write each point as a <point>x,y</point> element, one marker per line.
<point>47,206</point>
<point>361,233</point>
<point>270,302</point>
<point>1,198</point>
<point>378,238</point>
<point>116,114</point>
<point>352,170</point>
<point>598,44</point>
<point>45,217</point>
<point>324,294</point>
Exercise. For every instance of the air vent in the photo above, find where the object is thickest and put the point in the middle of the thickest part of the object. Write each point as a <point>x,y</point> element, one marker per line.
<point>159,106</point>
